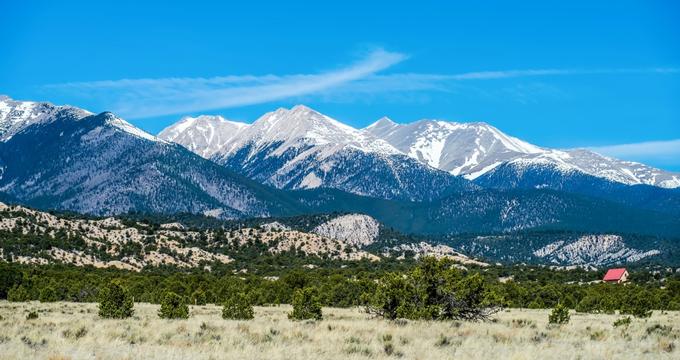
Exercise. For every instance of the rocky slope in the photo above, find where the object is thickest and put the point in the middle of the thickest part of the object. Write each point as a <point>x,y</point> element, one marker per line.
<point>593,250</point>
<point>36,237</point>
<point>566,248</point>
<point>31,236</point>
<point>355,229</point>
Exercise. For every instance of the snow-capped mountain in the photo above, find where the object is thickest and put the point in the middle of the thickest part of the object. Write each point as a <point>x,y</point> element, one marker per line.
<point>302,126</point>
<point>475,149</point>
<point>17,115</point>
<point>468,149</point>
<point>205,135</point>
<point>65,158</point>
<point>54,157</point>
<point>300,148</point>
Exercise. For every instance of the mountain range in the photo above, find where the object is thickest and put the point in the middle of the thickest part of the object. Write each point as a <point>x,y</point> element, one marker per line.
<point>428,177</point>
<point>300,148</point>
<point>60,157</point>
<point>303,149</point>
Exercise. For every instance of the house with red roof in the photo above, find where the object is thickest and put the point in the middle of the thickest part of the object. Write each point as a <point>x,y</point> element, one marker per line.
<point>616,275</point>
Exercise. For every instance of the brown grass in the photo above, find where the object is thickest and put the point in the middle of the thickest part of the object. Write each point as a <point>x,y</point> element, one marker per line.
<point>74,331</point>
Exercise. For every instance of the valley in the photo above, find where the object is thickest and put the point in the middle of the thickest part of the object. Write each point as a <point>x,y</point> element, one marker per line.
<point>339,180</point>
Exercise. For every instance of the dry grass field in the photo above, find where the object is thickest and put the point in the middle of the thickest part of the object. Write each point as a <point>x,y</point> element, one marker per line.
<point>74,331</point>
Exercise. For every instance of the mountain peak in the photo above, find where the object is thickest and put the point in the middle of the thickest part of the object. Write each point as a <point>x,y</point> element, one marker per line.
<point>383,122</point>
<point>299,122</point>
<point>300,108</point>
<point>120,124</point>
<point>208,118</point>
<point>204,134</point>
<point>16,115</point>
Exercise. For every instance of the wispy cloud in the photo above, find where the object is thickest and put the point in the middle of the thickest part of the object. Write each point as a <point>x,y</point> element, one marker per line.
<point>444,82</point>
<point>663,151</point>
<point>142,98</point>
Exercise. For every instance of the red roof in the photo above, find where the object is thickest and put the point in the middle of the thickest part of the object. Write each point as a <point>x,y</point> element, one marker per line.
<point>614,274</point>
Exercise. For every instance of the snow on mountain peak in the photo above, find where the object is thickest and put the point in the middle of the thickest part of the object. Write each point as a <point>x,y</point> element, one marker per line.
<point>204,134</point>
<point>115,121</point>
<point>382,124</point>
<point>474,149</point>
<point>462,149</point>
<point>302,126</point>
<point>459,148</point>
<point>16,115</point>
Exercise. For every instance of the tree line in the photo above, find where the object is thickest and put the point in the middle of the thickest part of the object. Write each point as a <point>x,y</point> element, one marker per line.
<point>338,286</point>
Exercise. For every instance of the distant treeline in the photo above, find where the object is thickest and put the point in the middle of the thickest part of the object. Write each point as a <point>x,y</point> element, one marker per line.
<point>338,285</point>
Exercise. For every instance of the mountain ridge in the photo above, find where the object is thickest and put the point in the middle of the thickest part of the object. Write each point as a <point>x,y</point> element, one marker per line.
<point>470,150</point>
<point>300,148</point>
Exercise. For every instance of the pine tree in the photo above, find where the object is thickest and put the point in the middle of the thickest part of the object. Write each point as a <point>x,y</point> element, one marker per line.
<point>238,307</point>
<point>306,305</point>
<point>173,307</point>
<point>115,302</point>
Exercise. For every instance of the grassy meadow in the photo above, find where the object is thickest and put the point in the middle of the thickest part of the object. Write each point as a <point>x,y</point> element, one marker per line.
<point>74,331</point>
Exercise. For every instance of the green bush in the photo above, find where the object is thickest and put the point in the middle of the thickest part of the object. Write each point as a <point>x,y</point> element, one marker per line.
<point>18,294</point>
<point>115,302</point>
<point>638,304</point>
<point>238,307</point>
<point>390,299</point>
<point>173,307</point>
<point>306,305</point>
<point>559,315</point>
<point>48,294</point>
<point>432,291</point>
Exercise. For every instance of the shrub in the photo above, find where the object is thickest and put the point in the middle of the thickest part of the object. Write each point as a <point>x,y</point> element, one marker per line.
<point>48,294</point>
<point>115,302</point>
<point>306,305</point>
<point>443,341</point>
<point>173,307</point>
<point>75,333</point>
<point>199,297</point>
<point>32,315</point>
<point>238,307</point>
<point>18,293</point>
<point>432,291</point>
<point>559,315</point>
<point>390,299</point>
<point>588,304</point>
<point>663,330</point>
<point>622,322</point>
<point>638,304</point>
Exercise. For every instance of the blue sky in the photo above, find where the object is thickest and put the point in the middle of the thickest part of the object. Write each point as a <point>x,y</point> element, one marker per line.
<point>603,74</point>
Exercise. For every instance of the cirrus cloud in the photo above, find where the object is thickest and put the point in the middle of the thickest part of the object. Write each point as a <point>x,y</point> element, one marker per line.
<point>143,98</point>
